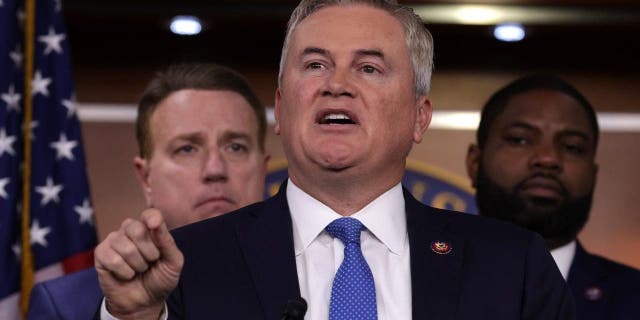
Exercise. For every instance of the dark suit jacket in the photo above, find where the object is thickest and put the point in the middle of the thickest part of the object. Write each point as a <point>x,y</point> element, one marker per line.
<point>242,266</point>
<point>604,289</point>
<point>74,296</point>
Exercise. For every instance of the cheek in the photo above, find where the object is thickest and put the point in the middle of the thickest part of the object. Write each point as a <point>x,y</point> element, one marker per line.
<point>504,171</point>
<point>169,182</point>
<point>247,170</point>
<point>579,179</point>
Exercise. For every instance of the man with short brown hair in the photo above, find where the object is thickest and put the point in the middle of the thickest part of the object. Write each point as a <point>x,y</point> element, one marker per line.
<point>201,132</point>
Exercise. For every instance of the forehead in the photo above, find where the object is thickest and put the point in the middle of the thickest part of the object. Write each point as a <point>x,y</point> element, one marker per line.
<point>351,27</point>
<point>191,110</point>
<point>546,109</point>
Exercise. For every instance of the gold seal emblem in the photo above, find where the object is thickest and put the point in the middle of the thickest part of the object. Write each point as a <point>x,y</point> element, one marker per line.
<point>441,247</point>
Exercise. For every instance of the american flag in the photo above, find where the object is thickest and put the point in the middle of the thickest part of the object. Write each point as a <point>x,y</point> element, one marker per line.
<point>61,223</point>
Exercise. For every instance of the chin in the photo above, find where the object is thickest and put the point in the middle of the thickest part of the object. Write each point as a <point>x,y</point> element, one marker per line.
<point>216,210</point>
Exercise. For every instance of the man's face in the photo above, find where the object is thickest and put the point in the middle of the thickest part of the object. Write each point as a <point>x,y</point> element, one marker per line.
<point>206,160</point>
<point>347,106</point>
<point>537,168</point>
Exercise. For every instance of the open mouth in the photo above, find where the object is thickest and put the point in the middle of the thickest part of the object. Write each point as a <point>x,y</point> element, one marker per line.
<point>336,118</point>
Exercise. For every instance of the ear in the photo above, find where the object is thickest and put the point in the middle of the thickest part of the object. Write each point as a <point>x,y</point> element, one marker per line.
<point>276,111</point>
<point>423,118</point>
<point>142,173</point>
<point>473,163</point>
<point>265,164</point>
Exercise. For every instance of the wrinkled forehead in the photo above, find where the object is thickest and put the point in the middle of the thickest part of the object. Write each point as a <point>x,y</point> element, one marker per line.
<point>547,108</point>
<point>343,26</point>
<point>205,110</point>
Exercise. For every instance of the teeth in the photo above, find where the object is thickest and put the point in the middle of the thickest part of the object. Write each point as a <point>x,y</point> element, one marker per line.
<point>336,116</point>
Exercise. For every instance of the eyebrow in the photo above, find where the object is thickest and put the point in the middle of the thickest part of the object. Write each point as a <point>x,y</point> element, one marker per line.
<point>198,138</point>
<point>193,137</point>
<point>312,50</point>
<point>360,52</point>
<point>231,135</point>
<point>565,132</point>
<point>370,52</point>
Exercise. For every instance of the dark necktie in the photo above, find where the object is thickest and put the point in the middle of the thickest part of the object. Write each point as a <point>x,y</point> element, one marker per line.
<point>353,295</point>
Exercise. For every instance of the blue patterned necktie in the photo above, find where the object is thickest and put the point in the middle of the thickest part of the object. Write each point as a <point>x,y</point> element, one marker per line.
<point>353,295</point>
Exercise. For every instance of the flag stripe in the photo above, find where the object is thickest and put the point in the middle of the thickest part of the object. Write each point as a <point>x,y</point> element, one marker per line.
<point>46,218</point>
<point>78,261</point>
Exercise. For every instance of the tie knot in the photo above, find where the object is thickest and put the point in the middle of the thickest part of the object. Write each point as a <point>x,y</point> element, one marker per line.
<point>346,229</point>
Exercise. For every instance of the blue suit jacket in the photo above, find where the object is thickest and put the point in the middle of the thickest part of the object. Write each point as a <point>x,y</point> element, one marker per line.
<point>604,289</point>
<point>242,266</point>
<point>74,296</point>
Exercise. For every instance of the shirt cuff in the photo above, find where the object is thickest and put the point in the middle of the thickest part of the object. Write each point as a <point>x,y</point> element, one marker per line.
<point>105,315</point>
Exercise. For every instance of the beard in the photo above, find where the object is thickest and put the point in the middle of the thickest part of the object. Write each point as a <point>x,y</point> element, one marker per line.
<point>558,222</point>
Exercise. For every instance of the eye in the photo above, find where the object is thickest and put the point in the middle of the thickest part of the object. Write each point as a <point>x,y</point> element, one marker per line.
<point>516,140</point>
<point>185,149</point>
<point>369,69</point>
<point>315,65</point>
<point>236,147</point>
<point>575,149</point>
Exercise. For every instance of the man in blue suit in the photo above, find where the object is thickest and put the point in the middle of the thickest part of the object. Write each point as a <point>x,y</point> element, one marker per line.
<point>534,165</point>
<point>201,134</point>
<point>341,233</point>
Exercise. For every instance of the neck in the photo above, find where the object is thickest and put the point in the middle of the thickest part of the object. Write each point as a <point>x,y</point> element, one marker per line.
<point>344,196</point>
<point>553,243</point>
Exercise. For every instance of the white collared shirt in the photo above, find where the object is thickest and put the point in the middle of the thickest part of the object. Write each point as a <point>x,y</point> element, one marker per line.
<point>385,246</point>
<point>563,256</point>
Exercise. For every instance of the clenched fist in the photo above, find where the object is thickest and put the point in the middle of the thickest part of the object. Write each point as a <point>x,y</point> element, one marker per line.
<point>138,266</point>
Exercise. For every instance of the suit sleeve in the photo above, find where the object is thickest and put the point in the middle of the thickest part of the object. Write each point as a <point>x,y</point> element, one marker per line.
<point>547,295</point>
<point>41,304</point>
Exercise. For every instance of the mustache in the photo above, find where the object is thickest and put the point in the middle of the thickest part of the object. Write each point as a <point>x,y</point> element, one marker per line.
<point>545,175</point>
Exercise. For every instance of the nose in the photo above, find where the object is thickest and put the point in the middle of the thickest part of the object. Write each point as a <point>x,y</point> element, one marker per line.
<point>215,167</point>
<point>547,157</point>
<point>338,83</point>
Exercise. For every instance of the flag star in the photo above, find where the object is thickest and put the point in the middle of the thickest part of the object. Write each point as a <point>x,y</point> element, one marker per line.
<point>64,147</point>
<point>38,235</point>
<point>3,183</point>
<point>12,99</point>
<point>85,212</point>
<point>40,84</point>
<point>49,192</point>
<point>17,56</point>
<point>71,105</point>
<point>52,41</point>
<point>6,143</point>
<point>17,250</point>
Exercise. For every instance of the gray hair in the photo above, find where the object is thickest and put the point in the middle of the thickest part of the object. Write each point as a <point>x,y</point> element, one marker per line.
<point>418,39</point>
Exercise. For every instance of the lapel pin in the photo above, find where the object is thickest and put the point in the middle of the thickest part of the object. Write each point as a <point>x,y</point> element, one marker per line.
<point>441,247</point>
<point>593,293</point>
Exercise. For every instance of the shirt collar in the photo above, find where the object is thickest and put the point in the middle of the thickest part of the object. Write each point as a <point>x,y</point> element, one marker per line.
<point>563,256</point>
<point>384,217</point>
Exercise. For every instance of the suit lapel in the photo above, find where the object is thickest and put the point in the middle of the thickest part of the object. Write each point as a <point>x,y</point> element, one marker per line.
<point>267,246</point>
<point>586,282</point>
<point>435,273</point>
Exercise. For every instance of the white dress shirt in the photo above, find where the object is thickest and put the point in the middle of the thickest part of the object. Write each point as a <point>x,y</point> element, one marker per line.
<point>384,243</point>
<point>563,256</point>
